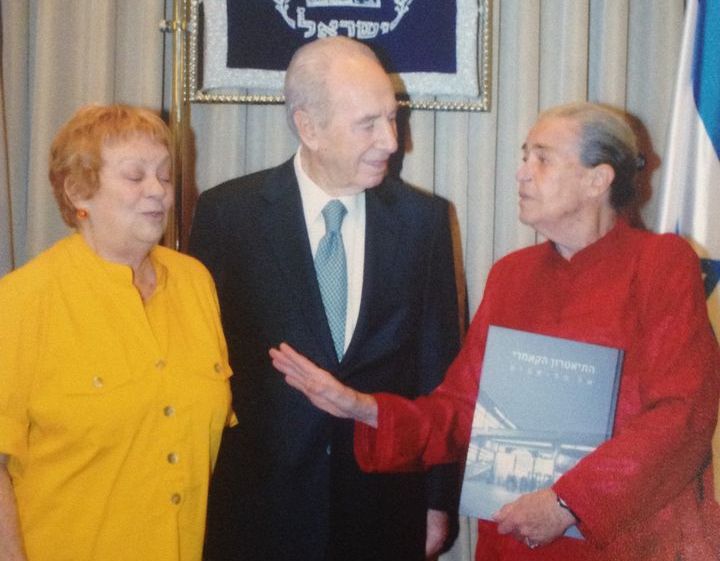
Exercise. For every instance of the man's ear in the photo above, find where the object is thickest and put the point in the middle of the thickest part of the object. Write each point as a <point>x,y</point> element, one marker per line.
<point>602,177</point>
<point>307,128</point>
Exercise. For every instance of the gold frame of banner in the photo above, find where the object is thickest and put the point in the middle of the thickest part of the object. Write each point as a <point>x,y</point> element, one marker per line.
<point>446,103</point>
<point>179,125</point>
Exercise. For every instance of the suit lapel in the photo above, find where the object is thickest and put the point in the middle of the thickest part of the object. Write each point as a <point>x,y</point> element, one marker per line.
<point>382,237</point>
<point>283,227</point>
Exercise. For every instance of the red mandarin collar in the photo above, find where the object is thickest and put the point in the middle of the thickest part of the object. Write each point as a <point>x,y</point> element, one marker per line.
<point>607,246</point>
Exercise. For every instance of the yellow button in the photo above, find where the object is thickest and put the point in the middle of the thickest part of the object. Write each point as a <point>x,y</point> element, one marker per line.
<point>218,367</point>
<point>160,364</point>
<point>98,382</point>
<point>169,411</point>
<point>173,458</point>
<point>175,499</point>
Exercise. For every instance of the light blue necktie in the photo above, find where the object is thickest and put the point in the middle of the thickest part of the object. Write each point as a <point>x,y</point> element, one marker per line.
<point>331,270</point>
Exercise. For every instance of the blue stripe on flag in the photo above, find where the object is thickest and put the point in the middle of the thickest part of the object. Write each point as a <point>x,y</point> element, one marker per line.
<point>706,68</point>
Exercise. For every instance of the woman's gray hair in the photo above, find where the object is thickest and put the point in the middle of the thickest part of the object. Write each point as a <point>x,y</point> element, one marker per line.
<point>605,138</point>
<point>306,76</point>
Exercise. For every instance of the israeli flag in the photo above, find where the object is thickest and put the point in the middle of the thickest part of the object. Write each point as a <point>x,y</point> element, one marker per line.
<point>690,187</point>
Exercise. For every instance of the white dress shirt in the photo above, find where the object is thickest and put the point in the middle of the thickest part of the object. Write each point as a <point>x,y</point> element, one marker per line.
<point>314,200</point>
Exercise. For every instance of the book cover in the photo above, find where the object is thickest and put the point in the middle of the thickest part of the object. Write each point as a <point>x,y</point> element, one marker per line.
<point>543,404</point>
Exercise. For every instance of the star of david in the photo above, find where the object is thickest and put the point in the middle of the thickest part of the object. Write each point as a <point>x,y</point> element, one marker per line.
<point>711,274</point>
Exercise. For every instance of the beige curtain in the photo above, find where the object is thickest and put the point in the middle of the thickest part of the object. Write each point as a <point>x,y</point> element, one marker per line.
<point>7,258</point>
<point>58,54</point>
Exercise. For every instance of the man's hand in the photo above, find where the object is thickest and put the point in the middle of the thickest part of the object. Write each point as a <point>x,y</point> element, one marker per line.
<point>535,519</point>
<point>438,528</point>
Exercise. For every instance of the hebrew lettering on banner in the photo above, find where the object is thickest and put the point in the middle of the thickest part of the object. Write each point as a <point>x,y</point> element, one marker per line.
<point>429,47</point>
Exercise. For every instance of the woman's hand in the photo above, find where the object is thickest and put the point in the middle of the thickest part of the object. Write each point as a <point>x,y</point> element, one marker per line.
<point>535,518</point>
<point>322,388</point>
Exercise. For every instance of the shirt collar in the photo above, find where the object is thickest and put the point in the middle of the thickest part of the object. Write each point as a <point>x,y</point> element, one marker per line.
<point>314,198</point>
<point>118,275</point>
<point>609,244</point>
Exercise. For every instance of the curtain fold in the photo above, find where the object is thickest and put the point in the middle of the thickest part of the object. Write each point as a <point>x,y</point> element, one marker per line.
<point>7,258</point>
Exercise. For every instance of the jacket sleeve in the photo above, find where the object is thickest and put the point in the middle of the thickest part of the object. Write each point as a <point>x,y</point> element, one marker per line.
<point>415,434</point>
<point>23,301</point>
<point>663,446</point>
<point>206,236</point>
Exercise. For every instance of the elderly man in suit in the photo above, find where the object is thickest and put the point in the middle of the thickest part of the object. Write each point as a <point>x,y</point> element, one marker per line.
<point>355,270</point>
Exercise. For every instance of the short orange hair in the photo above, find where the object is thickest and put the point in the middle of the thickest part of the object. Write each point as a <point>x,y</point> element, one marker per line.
<point>76,152</point>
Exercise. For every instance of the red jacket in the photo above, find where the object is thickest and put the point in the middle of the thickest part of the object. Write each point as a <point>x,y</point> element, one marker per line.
<point>645,494</point>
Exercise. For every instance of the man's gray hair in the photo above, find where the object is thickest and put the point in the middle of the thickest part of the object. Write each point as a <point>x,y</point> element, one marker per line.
<point>605,138</point>
<point>306,76</point>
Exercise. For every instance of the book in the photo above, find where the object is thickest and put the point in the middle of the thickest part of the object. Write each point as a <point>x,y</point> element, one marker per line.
<point>543,404</point>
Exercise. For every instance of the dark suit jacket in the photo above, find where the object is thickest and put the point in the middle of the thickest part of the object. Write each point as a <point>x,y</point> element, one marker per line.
<point>286,485</point>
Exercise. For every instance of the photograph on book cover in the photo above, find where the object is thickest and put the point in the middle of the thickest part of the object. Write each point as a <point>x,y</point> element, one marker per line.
<point>437,53</point>
<point>543,404</point>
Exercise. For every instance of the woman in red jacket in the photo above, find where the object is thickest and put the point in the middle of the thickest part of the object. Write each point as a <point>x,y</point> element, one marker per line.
<point>645,493</point>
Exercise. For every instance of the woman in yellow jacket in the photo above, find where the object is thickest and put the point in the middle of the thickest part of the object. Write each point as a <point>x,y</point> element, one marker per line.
<point>113,366</point>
